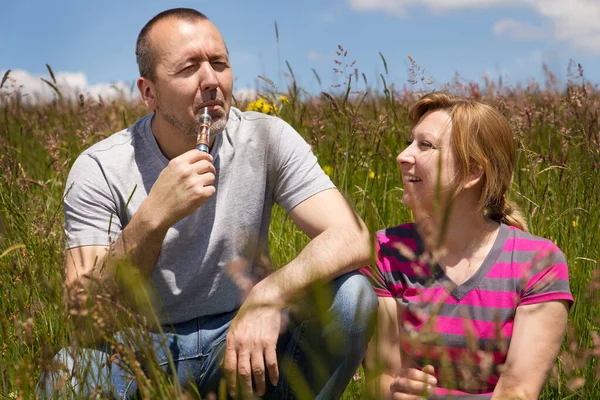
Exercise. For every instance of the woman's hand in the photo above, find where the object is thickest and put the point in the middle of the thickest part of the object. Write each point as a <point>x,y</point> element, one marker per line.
<point>413,384</point>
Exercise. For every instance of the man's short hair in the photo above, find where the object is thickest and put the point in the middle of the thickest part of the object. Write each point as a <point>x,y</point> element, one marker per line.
<point>144,53</point>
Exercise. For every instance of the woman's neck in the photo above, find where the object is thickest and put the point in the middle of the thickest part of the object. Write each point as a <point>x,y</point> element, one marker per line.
<point>462,232</point>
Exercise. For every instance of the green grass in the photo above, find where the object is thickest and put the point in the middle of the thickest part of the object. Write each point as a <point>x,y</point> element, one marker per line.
<point>357,137</point>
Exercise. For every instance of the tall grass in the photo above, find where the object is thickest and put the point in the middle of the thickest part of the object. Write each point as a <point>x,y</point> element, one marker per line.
<point>356,136</point>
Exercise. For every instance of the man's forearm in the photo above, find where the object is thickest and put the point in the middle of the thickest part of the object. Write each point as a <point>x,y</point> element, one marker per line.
<point>138,245</point>
<point>330,254</point>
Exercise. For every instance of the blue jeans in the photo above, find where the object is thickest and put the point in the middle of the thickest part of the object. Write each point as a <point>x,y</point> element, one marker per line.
<point>323,345</point>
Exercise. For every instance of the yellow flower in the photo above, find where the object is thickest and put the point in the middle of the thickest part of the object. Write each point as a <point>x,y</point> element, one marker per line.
<point>328,170</point>
<point>575,222</point>
<point>284,100</point>
<point>262,106</point>
<point>372,175</point>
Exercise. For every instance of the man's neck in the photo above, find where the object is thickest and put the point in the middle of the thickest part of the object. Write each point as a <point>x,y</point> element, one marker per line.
<point>172,142</point>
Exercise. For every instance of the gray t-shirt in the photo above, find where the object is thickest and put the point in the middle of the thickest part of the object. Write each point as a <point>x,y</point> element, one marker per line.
<point>260,160</point>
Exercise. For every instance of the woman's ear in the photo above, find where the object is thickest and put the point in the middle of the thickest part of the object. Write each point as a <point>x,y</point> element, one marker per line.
<point>475,176</point>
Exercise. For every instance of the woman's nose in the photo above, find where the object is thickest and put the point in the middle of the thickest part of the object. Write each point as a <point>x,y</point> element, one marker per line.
<point>406,156</point>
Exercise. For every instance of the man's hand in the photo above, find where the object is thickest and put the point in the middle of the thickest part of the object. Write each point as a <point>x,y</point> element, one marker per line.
<point>413,384</point>
<point>251,345</point>
<point>183,186</point>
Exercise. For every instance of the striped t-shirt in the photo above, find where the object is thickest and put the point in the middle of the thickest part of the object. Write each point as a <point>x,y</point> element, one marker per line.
<point>464,331</point>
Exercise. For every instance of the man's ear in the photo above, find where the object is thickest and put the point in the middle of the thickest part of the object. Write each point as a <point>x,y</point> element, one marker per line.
<point>147,90</point>
<point>475,176</point>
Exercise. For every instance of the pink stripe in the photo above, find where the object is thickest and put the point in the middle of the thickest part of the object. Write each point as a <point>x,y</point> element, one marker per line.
<point>442,391</point>
<point>409,268</point>
<point>555,272</point>
<point>503,270</point>
<point>383,293</point>
<point>521,244</point>
<point>366,271</point>
<point>476,297</point>
<point>544,297</point>
<point>479,329</point>
<point>456,354</point>
<point>396,288</point>
<point>390,240</point>
<point>522,270</point>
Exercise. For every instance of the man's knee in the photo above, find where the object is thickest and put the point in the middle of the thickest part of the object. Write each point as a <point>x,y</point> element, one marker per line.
<point>355,304</point>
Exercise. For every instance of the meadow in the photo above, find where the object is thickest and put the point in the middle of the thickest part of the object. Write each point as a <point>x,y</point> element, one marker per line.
<point>356,131</point>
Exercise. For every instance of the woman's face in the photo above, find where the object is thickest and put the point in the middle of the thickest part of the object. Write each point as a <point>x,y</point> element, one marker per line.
<point>428,157</point>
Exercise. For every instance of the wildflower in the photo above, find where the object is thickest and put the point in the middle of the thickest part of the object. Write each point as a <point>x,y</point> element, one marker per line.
<point>575,222</point>
<point>357,376</point>
<point>328,170</point>
<point>262,106</point>
<point>284,100</point>
<point>372,175</point>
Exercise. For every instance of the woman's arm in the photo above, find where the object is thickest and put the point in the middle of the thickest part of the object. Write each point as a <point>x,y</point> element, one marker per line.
<point>537,335</point>
<point>383,354</point>
<point>385,374</point>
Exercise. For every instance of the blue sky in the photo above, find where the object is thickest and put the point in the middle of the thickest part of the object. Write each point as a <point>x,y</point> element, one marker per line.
<point>91,43</point>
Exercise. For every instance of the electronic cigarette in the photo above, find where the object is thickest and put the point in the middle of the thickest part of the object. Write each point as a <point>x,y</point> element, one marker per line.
<point>203,139</point>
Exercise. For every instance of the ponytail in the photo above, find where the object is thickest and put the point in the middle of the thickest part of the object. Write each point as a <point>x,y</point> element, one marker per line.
<point>504,211</point>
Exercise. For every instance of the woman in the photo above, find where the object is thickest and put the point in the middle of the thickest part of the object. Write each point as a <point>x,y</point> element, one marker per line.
<point>470,304</point>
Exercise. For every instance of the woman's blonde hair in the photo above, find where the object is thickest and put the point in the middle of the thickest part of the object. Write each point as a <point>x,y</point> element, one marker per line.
<point>481,138</point>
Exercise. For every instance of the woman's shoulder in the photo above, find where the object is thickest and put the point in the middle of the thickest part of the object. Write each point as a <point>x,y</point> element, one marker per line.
<point>525,248</point>
<point>519,240</point>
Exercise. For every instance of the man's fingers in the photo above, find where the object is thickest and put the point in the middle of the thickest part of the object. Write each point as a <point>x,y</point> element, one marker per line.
<point>204,167</point>
<point>245,374</point>
<point>230,369</point>
<point>258,371</point>
<point>272,365</point>
<point>194,155</point>
<point>207,179</point>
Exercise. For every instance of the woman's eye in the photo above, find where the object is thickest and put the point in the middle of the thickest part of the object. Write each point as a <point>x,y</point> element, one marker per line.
<point>425,144</point>
<point>408,142</point>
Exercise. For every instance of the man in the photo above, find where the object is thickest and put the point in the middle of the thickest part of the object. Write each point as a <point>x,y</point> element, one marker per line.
<point>182,217</point>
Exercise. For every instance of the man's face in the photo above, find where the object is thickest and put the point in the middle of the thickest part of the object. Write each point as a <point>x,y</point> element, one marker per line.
<point>192,72</point>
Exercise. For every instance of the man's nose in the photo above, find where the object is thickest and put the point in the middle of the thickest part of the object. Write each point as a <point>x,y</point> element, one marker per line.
<point>208,78</point>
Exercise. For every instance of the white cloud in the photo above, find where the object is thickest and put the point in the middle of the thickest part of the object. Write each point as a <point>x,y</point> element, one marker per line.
<point>70,84</point>
<point>518,30</point>
<point>245,94</point>
<point>400,7</point>
<point>315,55</point>
<point>573,21</point>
